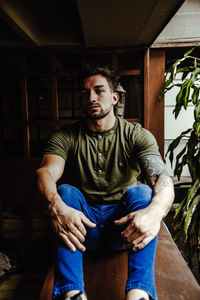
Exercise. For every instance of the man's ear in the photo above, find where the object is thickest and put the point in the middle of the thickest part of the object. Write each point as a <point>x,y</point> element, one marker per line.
<point>115,98</point>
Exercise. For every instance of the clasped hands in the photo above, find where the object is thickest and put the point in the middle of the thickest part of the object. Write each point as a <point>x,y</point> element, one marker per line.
<point>69,224</point>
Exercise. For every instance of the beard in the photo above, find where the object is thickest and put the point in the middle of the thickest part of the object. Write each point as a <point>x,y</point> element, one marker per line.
<point>96,115</point>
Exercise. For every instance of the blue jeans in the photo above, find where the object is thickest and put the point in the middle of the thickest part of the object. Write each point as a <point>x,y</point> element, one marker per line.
<point>106,235</point>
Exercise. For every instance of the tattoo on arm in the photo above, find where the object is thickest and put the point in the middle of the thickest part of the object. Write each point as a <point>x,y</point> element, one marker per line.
<point>152,167</point>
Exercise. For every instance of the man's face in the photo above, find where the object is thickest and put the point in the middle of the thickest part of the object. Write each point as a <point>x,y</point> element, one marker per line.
<point>97,98</point>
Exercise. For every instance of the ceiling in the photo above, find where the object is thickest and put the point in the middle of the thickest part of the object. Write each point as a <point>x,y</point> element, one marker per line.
<point>183,30</point>
<point>83,23</point>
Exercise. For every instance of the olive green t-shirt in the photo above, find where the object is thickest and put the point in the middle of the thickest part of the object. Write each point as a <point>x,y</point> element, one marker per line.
<point>102,164</point>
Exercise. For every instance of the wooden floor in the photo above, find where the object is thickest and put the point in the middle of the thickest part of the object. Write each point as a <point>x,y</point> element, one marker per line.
<point>21,287</point>
<point>26,281</point>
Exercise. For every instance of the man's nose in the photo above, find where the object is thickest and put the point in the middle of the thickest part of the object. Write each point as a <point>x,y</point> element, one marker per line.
<point>92,96</point>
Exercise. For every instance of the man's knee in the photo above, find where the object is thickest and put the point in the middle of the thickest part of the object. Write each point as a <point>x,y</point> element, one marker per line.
<point>70,195</point>
<point>139,195</point>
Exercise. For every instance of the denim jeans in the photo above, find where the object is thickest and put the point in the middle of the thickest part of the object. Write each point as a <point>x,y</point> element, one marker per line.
<point>106,235</point>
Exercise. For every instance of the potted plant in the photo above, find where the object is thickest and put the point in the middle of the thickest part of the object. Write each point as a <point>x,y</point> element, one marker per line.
<point>187,216</point>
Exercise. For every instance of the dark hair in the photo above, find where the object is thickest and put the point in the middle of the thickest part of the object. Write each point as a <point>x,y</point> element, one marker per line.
<point>104,71</point>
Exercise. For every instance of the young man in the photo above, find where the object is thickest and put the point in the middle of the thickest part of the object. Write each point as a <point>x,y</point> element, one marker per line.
<point>101,206</point>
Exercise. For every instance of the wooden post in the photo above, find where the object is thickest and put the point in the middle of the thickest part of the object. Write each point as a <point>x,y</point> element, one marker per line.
<point>154,71</point>
<point>25,111</point>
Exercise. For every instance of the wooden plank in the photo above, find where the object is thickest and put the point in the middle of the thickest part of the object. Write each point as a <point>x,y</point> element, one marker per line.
<point>47,288</point>
<point>106,274</point>
<point>154,70</point>
<point>134,72</point>
<point>174,280</point>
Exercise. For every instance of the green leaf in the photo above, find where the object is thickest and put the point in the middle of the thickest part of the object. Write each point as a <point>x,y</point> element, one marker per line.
<point>191,154</point>
<point>165,88</point>
<point>175,143</point>
<point>189,52</point>
<point>196,127</point>
<point>176,110</point>
<point>178,171</point>
<point>195,95</point>
<point>190,213</point>
<point>186,71</point>
<point>187,199</point>
<point>197,111</point>
<point>179,214</point>
<point>173,68</point>
<point>198,237</point>
<point>181,93</point>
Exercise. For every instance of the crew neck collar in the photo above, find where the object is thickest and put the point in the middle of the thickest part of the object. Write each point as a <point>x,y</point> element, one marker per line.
<point>103,133</point>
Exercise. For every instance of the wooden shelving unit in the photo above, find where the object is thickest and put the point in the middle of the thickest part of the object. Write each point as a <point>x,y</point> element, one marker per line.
<point>38,94</point>
<point>44,102</point>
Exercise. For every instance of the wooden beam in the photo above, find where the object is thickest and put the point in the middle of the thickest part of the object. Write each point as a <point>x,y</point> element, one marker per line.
<point>16,23</point>
<point>154,70</point>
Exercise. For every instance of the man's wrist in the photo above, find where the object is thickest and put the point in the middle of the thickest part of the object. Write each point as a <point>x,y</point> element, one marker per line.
<point>156,210</point>
<point>55,205</point>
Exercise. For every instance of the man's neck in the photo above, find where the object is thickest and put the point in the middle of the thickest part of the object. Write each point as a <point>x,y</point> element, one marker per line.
<point>101,125</point>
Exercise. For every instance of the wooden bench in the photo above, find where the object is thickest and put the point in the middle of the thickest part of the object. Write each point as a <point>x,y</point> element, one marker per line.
<point>106,274</point>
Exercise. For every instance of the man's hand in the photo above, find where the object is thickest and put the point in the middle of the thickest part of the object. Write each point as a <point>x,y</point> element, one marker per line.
<point>69,224</point>
<point>142,228</point>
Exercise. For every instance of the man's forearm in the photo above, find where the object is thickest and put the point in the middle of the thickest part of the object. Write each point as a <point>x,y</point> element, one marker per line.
<point>47,188</point>
<point>163,196</point>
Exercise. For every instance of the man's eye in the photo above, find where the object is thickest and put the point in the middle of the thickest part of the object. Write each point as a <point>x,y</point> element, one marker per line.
<point>99,91</point>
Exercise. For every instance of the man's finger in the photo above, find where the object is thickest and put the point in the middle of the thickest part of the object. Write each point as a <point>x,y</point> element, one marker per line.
<point>67,242</point>
<point>87,222</point>
<point>129,230</point>
<point>81,228</point>
<point>77,233</point>
<point>75,242</point>
<point>132,237</point>
<point>142,244</point>
<point>122,221</point>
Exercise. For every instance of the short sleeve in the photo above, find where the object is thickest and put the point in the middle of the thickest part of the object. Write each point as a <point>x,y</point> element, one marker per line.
<point>145,143</point>
<point>58,144</point>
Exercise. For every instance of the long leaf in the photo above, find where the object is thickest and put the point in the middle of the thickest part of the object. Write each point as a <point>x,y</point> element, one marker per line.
<point>190,213</point>
<point>197,111</point>
<point>186,71</point>
<point>191,193</point>
<point>178,170</point>
<point>174,67</point>
<point>189,52</point>
<point>191,158</point>
<point>196,127</point>
<point>195,95</point>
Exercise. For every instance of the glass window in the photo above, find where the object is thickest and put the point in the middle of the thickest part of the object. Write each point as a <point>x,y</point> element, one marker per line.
<point>130,61</point>
<point>39,98</point>
<point>12,143</point>
<point>133,85</point>
<point>10,99</point>
<point>68,62</point>
<point>38,137</point>
<point>68,98</point>
<point>100,59</point>
<point>38,63</point>
<point>9,62</point>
